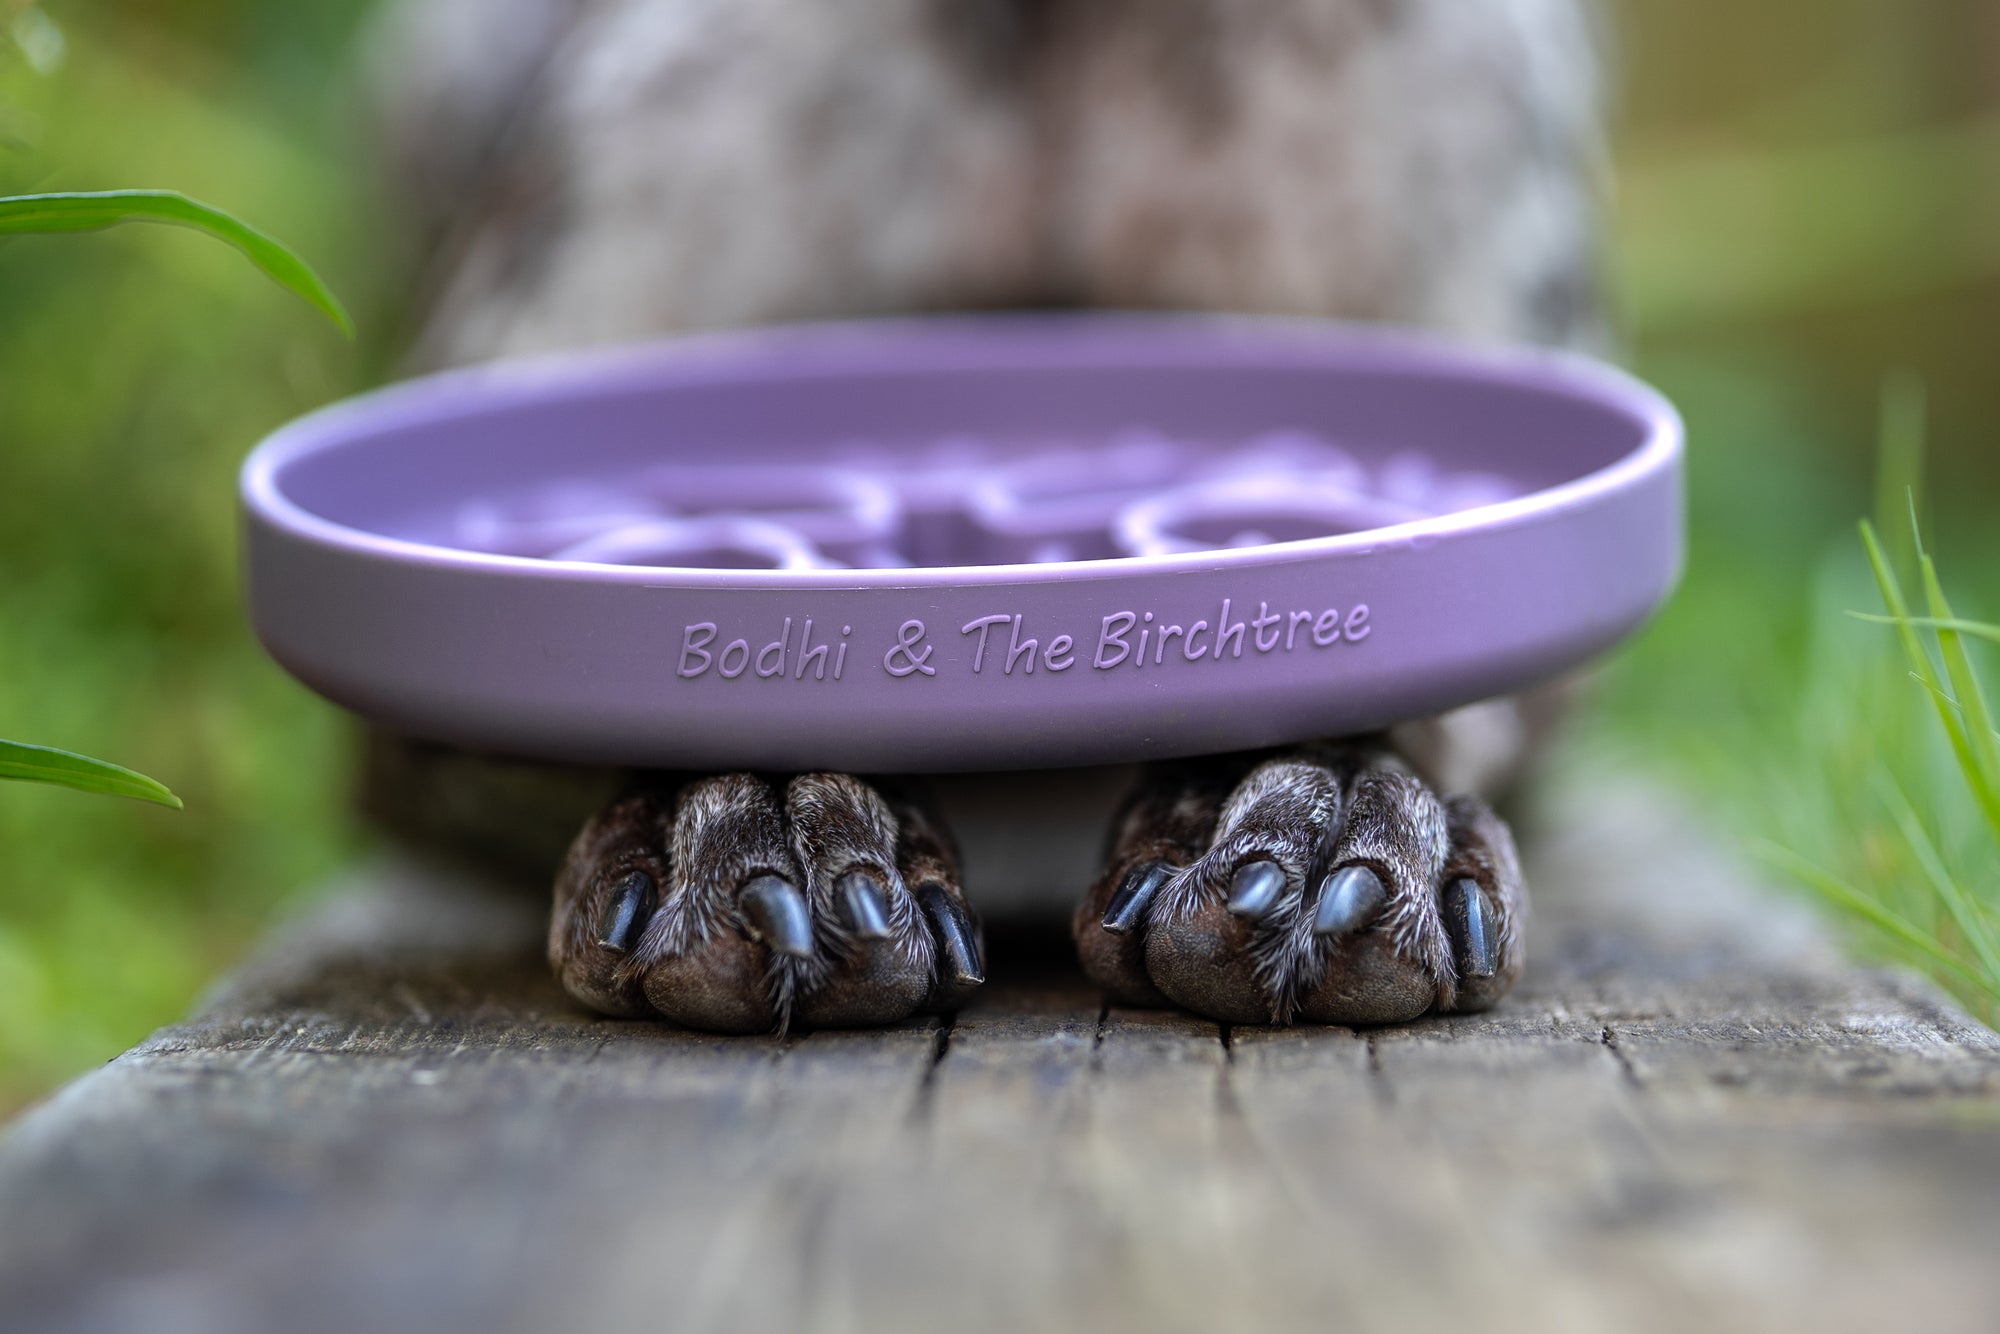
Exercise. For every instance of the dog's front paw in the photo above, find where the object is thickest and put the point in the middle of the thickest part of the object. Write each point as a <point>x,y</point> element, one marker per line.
<point>1327,885</point>
<point>739,906</point>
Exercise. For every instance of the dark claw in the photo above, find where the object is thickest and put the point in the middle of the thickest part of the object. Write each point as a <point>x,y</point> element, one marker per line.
<point>1350,898</point>
<point>861,900</point>
<point>1471,933</point>
<point>1128,906</point>
<point>777,915</point>
<point>1254,889</point>
<point>625,916</point>
<point>960,967</point>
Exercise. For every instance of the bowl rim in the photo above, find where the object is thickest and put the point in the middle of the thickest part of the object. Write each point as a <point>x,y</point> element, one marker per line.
<point>835,349</point>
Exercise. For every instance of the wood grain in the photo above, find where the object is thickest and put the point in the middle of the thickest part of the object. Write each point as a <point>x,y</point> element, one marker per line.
<point>1693,1115</point>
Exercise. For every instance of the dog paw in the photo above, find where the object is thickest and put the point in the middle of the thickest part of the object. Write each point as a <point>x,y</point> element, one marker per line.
<point>1327,885</point>
<point>738,905</point>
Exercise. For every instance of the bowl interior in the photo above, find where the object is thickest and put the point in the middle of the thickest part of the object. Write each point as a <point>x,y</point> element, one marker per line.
<point>872,459</point>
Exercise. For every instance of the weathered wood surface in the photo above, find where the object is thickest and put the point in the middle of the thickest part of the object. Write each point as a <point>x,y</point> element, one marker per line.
<point>1691,1116</point>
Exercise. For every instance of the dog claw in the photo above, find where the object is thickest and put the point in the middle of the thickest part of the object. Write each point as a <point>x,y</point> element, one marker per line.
<point>625,915</point>
<point>778,915</point>
<point>1254,889</point>
<point>861,902</point>
<point>960,968</point>
<point>1465,918</point>
<point>1349,899</point>
<point>1128,906</point>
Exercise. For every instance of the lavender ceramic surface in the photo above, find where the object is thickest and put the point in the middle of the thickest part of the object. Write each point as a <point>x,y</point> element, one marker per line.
<point>961,544</point>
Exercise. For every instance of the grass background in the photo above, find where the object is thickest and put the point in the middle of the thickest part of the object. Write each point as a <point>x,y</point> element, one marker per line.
<point>136,367</point>
<point>1807,198</point>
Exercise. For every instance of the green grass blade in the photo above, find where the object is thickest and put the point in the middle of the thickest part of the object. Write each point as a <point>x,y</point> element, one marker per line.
<point>1977,629</point>
<point>1926,671</point>
<point>1892,598</point>
<point>89,212</point>
<point>1982,745</point>
<point>45,764</point>
<point>1846,896</point>
<point>1944,699</point>
<point>1970,921</point>
<point>1938,692</point>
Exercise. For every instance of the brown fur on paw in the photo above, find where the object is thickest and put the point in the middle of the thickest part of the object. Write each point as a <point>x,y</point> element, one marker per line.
<point>735,905</point>
<point>1325,885</point>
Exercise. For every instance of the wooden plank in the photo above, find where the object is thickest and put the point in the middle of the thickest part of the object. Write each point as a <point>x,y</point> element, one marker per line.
<point>1692,1115</point>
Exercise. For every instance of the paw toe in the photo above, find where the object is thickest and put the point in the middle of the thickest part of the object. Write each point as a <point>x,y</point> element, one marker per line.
<point>1204,960</point>
<point>724,986</point>
<point>1364,980</point>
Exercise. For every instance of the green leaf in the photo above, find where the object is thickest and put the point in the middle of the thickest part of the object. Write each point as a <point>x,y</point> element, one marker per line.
<point>1977,629</point>
<point>45,764</point>
<point>20,214</point>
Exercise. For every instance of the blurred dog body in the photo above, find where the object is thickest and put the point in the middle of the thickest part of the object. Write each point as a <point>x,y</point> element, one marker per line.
<point>609,169</point>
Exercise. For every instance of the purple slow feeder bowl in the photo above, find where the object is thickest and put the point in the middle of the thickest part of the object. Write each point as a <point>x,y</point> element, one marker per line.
<point>967,543</point>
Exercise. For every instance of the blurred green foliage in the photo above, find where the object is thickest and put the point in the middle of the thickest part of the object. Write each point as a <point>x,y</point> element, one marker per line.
<point>1807,199</point>
<point>135,370</point>
<point>1798,726</point>
<point>94,210</point>
<point>1809,207</point>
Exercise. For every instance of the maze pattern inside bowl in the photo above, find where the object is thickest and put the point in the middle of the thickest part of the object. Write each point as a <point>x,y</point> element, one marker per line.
<point>963,502</point>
